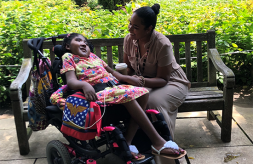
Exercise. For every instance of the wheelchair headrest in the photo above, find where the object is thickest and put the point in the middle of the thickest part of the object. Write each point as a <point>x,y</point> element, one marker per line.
<point>58,51</point>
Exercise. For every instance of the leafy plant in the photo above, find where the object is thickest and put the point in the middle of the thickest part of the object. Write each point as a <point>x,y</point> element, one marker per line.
<point>112,4</point>
<point>93,5</point>
<point>80,2</point>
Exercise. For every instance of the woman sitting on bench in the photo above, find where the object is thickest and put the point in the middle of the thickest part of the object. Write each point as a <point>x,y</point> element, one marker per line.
<point>149,57</point>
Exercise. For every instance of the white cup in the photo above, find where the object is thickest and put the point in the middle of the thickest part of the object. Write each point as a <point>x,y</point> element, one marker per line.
<point>121,68</point>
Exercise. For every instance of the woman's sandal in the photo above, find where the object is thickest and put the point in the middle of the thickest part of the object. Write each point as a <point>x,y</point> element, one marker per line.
<point>171,145</point>
<point>137,156</point>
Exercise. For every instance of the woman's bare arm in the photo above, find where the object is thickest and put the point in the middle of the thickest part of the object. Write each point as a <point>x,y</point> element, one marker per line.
<point>130,70</point>
<point>161,79</point>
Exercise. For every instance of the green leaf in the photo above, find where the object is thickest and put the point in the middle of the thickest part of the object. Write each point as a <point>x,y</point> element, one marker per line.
<point>234,45</point>
<point>128,8</point>
<point>226,44</point>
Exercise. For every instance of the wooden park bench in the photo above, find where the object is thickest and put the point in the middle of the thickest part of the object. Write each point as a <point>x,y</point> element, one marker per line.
<point>204,95</point>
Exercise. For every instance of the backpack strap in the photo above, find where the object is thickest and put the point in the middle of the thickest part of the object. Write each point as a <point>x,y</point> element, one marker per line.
<point>37,46</point>
<point>54,40</point>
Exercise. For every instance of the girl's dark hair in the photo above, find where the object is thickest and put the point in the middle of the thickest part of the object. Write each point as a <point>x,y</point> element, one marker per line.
<point>68,39</point>
<point>148,15</point>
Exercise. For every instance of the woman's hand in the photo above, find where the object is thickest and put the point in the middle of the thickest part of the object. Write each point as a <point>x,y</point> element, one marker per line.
<point>89,92</point>
<point>135,80</point>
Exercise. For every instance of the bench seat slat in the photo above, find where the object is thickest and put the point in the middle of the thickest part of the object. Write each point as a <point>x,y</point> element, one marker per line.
<point>199,97</point>
<point>204,93</point>
<point>199,105</point>
<point>213,88</point>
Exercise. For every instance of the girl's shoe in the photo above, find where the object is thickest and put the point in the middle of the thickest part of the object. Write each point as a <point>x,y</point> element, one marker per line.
<point>170,145</point>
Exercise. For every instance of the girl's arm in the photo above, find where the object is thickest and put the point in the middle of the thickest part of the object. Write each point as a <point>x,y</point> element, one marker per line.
<point>125,78</point>
<point>75,84</point>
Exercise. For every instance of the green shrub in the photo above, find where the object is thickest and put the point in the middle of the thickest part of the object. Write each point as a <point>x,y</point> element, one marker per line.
<point>112,4</point>
<point>80,2</point>
<point>93,5</point>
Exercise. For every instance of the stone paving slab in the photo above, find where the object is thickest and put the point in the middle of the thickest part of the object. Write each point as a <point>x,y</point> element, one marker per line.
<point>244,117</point>
<point>41,161</point>
<point>216,155</point>
<point>192,114</point>
<point>22,161</point>
<point>199,132</point>
<point>38,142</point>
<point>7,122</point>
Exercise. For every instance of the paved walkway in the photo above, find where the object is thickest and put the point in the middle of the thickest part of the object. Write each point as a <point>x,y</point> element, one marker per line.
<point>200,137</point>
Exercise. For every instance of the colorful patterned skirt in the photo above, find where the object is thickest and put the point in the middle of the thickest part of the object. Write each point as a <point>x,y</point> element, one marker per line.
<point>120,94</point>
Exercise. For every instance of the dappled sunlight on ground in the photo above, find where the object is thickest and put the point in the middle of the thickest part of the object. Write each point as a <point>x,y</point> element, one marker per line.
<point>238,116</point>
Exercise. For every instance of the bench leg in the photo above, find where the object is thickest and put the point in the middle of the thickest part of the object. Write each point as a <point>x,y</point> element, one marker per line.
<point>209,116</point>
<point>22,136</point>
<point>226,127</point>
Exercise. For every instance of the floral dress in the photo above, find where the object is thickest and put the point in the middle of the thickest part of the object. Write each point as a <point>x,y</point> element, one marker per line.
<point>92,70</point>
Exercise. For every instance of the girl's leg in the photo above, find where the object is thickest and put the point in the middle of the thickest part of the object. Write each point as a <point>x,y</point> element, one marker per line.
<point>140,118</point>
<point>133,126</point>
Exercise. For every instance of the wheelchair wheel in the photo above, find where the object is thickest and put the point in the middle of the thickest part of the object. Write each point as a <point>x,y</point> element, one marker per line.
<point>57,153</point>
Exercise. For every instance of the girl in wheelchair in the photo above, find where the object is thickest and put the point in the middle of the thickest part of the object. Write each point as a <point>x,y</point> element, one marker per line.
<point>99,83</point>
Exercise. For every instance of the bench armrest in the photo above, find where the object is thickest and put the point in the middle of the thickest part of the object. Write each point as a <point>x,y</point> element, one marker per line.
<point>228,74</point>
<point>22,77</point>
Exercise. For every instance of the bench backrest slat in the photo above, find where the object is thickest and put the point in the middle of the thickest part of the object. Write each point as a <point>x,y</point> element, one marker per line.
<point>199,62</point>
<point>188,60</point>
<point>176,51</point>
<point>98,51</point>
<point>109,56</point>
<point>211,69</point>
<point>121,53</point>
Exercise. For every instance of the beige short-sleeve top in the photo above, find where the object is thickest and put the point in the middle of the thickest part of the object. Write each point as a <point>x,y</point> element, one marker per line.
<point>160,54</point>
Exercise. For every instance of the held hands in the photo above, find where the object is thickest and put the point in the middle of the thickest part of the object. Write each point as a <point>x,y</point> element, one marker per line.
<point>89,92</point>
<point>136,81</point>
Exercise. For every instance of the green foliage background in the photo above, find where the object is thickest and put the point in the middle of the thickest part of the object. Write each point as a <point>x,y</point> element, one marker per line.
<point>231,19</point>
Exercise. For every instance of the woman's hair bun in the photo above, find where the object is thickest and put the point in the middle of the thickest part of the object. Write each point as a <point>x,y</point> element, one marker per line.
<point>156,8</point>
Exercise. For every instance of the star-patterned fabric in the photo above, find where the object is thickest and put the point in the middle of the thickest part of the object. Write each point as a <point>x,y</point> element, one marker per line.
<point>76,109</point>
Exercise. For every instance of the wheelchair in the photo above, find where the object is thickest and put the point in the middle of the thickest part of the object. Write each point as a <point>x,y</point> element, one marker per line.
<point>114,125</point>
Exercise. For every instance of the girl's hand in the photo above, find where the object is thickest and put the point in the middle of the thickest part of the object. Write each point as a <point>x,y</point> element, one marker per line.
<point>135,80</point>
<point>61,103</point>
<point>89,92</point>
